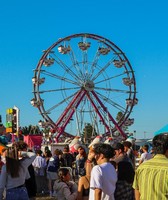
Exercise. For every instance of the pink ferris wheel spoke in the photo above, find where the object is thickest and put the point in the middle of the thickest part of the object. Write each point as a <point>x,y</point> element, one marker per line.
<point>68,113</point>
<point>109,115</point>
<point>69,107</point>
<point>97,111</point>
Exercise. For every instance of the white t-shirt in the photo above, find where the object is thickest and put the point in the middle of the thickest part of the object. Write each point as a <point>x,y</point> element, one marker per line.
<point>145,156</point>
<point>104,177</point>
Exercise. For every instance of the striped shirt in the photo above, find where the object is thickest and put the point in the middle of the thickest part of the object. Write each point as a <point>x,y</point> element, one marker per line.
<point>151,179</point>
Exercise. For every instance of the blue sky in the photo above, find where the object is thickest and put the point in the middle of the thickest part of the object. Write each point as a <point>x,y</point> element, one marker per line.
<point>138,27</point>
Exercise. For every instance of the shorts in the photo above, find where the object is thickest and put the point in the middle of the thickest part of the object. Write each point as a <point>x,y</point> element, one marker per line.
<point>17,194</point>
<point>52,175</point>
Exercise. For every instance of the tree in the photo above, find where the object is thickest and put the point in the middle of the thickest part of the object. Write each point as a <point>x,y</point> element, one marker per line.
<point>118,118</point>
<point>24,130</point>
<point>88,132</point>
<point>46,130</point>
<point>34,130</point>
<point>30,130</point>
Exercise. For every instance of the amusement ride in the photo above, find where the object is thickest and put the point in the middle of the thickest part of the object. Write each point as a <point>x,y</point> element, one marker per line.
<point>84,78</point>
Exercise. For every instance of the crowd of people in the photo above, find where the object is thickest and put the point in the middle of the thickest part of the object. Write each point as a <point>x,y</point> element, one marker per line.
<point>100,172</point>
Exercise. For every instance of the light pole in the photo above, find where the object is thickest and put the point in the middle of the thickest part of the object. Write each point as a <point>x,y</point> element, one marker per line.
<point>17,119</point>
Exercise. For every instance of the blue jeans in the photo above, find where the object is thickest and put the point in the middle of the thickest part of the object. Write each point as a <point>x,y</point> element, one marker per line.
<point>17,194</point>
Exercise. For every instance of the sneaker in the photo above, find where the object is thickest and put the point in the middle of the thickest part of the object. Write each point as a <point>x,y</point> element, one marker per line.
<point>51,194</point>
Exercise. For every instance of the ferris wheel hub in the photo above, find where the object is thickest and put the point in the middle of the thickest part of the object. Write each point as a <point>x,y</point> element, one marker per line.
<point>89,86</point>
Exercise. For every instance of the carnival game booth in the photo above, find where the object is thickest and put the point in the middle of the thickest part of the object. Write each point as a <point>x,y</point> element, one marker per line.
<point>33,141</point>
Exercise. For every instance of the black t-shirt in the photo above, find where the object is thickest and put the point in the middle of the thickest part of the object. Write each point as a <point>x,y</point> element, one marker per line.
<point>67,159</point>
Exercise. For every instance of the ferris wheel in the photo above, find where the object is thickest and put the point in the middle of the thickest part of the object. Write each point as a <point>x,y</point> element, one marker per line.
<point>84,78</point>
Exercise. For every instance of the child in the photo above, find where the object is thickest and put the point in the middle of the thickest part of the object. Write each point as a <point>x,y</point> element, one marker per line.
<point>64,189</point>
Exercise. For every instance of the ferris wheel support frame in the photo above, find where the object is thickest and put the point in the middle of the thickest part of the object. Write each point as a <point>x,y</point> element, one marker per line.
<point>109,115</point>
<point>68,113</point>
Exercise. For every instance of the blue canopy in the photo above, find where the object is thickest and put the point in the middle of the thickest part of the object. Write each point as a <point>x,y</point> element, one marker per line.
<point>162,130</point>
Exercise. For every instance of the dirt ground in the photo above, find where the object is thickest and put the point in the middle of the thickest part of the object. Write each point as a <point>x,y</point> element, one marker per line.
<point>44,197</point>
